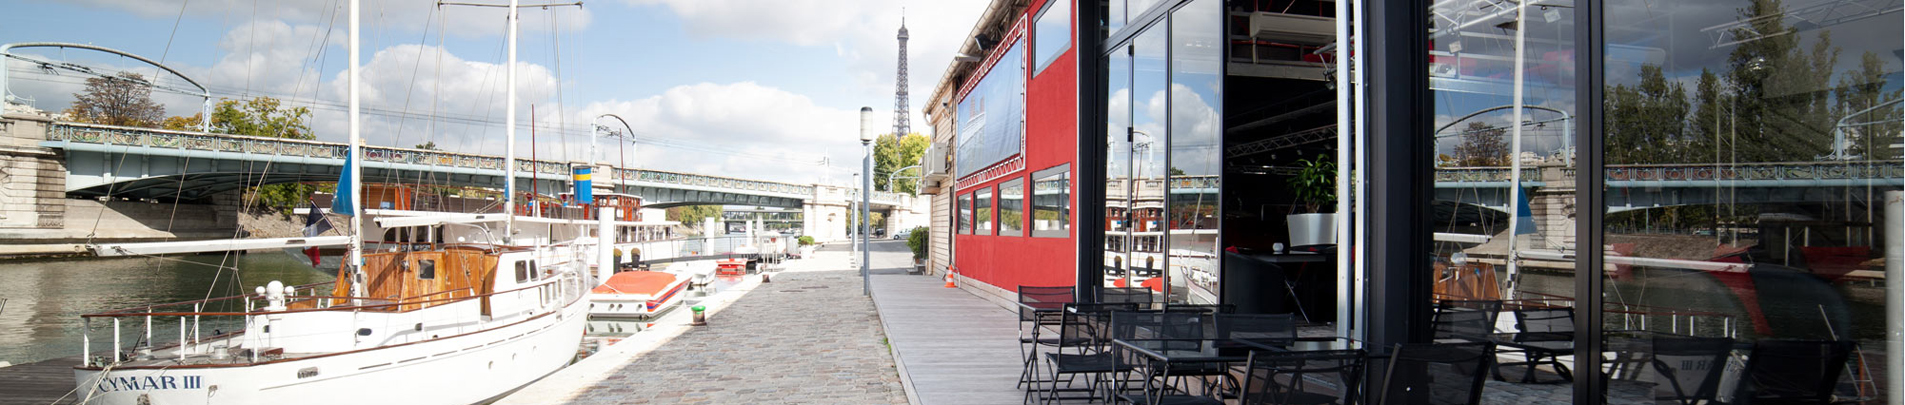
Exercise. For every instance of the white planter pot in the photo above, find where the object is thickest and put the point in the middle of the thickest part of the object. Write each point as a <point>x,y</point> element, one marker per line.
<point>1312,229</point>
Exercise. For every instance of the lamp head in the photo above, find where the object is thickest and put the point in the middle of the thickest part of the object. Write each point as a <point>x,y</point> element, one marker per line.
<point>866,124</point>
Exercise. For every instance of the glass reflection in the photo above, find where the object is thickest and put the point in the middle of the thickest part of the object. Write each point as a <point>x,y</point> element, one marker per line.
<point>1502,79</point>
<point>1118,166</point>
<point>1012,208</point>
<point>1195,146</point>
<point>1748,153</point>
<point>982,206</point>
<point>1150,92</point>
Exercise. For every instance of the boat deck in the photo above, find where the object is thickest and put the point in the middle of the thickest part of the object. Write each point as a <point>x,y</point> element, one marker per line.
<point>38,383</point>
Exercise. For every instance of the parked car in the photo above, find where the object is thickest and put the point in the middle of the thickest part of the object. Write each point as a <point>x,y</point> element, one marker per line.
<point>903,234</point>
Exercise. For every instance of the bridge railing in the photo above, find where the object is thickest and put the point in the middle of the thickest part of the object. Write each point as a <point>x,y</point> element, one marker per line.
<point>160,138</point>
<point>1824,170</point>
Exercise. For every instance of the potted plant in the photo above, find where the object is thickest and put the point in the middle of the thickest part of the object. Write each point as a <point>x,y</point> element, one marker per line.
<point>1315,188</point>
<point>806,245</point>
<point>916,240</point>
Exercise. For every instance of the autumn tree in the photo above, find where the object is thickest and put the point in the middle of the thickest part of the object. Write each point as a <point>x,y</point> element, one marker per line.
<point>1482,145</point>
<point>123,99</point>
<point>892,153</point>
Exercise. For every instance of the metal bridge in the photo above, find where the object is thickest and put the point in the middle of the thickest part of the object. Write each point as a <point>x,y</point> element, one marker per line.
<point>189,166</point>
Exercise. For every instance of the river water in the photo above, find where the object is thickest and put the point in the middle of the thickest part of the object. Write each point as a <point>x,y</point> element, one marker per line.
<point>44,298</point>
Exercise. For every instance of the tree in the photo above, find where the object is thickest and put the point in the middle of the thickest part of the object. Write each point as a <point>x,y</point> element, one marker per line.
<point>691,215</point>
<point>431,145</point>
<point>1482,145</point>
<point>893,153</point>
<point>177,123</point>
<point>121,99</point>
<point>263,116</point>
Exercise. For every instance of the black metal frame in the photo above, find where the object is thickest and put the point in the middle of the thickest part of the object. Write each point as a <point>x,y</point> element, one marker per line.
<point>1590,386</point>
<point>1089,171</point>
<point>1399,119</point>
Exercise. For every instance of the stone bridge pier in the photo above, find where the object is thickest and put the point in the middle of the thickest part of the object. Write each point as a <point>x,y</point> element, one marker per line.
<point>32,178</point>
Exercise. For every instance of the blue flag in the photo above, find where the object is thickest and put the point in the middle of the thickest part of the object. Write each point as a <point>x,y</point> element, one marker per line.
<point>341,205</point>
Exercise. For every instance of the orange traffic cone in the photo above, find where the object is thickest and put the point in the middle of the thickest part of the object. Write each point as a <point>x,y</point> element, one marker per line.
<point>949,281</point>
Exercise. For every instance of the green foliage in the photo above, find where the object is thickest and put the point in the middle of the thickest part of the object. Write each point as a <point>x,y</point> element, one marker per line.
<point>432,145</point>
<point>121,99</point>
<point>806,240</point>
<point>1315,183</point>
<point>692,215</point>
<point>261,116</point>
<point>917,241</point>
<point>177,123</point>
<point>266,117</point>
<point>893,153</point>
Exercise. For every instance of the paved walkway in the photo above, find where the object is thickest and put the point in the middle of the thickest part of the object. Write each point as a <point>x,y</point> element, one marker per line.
<point>954,347</point>
<point>806,337</point>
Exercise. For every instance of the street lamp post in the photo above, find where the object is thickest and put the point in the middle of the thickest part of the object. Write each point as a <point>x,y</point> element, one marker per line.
<point>619,155</point>
<point>866,196</point>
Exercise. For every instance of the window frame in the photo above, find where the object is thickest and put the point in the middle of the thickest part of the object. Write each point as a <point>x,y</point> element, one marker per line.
<point>984,195</point>
<point>1062,172</point>
<point>1020,230</point>
<point>1040,60</point>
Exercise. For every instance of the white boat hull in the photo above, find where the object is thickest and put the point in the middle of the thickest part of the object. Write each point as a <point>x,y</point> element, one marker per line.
<point>636,305</point>
<point>459,369</point>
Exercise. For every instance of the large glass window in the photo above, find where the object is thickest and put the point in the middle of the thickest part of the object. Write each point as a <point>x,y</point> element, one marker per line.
<point>983,207</point>
<point>1196,148</point>
<point>1150,96</point>
<point>1052,34</point>
<point>1012,207</point>
<point>965,214</point>
<point>992,116</point>
<point>1117,163</point>
<point>1052,202</point>
<point>1746,145</point>
<point>1502,262</point>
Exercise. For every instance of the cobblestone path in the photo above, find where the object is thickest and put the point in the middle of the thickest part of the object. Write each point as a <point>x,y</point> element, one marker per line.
<point>807,337</point>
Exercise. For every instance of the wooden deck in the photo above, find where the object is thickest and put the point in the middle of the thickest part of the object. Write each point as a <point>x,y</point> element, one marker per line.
<point>38,383</point>
<point>952,347</point>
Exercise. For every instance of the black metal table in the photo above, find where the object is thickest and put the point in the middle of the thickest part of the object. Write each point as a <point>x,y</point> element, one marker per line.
<point>1163,355</point>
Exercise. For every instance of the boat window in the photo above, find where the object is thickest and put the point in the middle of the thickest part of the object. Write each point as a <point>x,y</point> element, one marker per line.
<point>522,272</point>
<point>426,269</point>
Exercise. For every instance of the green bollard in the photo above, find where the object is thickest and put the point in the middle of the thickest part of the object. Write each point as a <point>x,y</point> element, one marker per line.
<point>701,318</point>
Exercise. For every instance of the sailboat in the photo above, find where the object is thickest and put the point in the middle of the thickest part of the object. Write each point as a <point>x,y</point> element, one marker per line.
<point>468,318</point>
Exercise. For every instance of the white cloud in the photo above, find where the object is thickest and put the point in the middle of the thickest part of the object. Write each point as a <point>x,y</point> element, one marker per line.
<point>737,129</point>
<point>863,32</point>
<point>378,16</point>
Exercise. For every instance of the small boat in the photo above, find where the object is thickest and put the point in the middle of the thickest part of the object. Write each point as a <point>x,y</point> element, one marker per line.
<point>730,267</point>
<point>636,294</point>
<point>698,273</point>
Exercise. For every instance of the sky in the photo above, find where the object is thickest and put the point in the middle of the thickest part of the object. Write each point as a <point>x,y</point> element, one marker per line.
<point>755,89</point>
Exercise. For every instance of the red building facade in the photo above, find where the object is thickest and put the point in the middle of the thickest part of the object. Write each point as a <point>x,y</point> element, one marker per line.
<point>1017,144</point>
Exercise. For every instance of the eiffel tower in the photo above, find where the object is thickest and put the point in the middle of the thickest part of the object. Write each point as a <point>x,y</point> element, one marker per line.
<point>901,124</point>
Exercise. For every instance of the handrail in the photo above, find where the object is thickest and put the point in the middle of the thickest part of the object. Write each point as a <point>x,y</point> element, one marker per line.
<point>405,301</point>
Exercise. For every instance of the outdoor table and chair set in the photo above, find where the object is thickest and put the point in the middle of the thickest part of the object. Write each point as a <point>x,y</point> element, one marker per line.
<point>1134,351</point>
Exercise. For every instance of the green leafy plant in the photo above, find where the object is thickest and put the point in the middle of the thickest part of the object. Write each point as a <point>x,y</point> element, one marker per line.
<point>806,240</point>
<point>1315,183</point>
<point>917,241</point>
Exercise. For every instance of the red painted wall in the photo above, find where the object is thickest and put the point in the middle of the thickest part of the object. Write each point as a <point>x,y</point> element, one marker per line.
<point>1051,126</point>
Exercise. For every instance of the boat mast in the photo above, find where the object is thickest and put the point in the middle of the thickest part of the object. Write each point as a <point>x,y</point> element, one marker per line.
<point>509,114</point>
<point>356,162</point>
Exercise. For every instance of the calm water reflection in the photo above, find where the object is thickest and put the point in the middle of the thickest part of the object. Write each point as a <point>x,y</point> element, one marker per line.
<point>45,298</point>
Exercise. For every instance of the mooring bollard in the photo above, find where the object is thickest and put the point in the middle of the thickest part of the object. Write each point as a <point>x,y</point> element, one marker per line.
<point>701,317</point>
<point>766,279</point>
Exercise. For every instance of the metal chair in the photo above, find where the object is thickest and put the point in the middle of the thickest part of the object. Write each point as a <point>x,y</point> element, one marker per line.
<point>1213,309</point>
<point>1134,295</point>
<point>1436,374</point>
<point>1543,336</point>
<point>1303,377</point>
<point>1083,332</point>
<point>1030,299</point>
<point>1465,320</point>
<point>1793,372</point>
<point>1689,368</point>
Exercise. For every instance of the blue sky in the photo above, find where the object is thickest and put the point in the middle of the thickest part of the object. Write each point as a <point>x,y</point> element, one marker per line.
<point>746,88</point>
